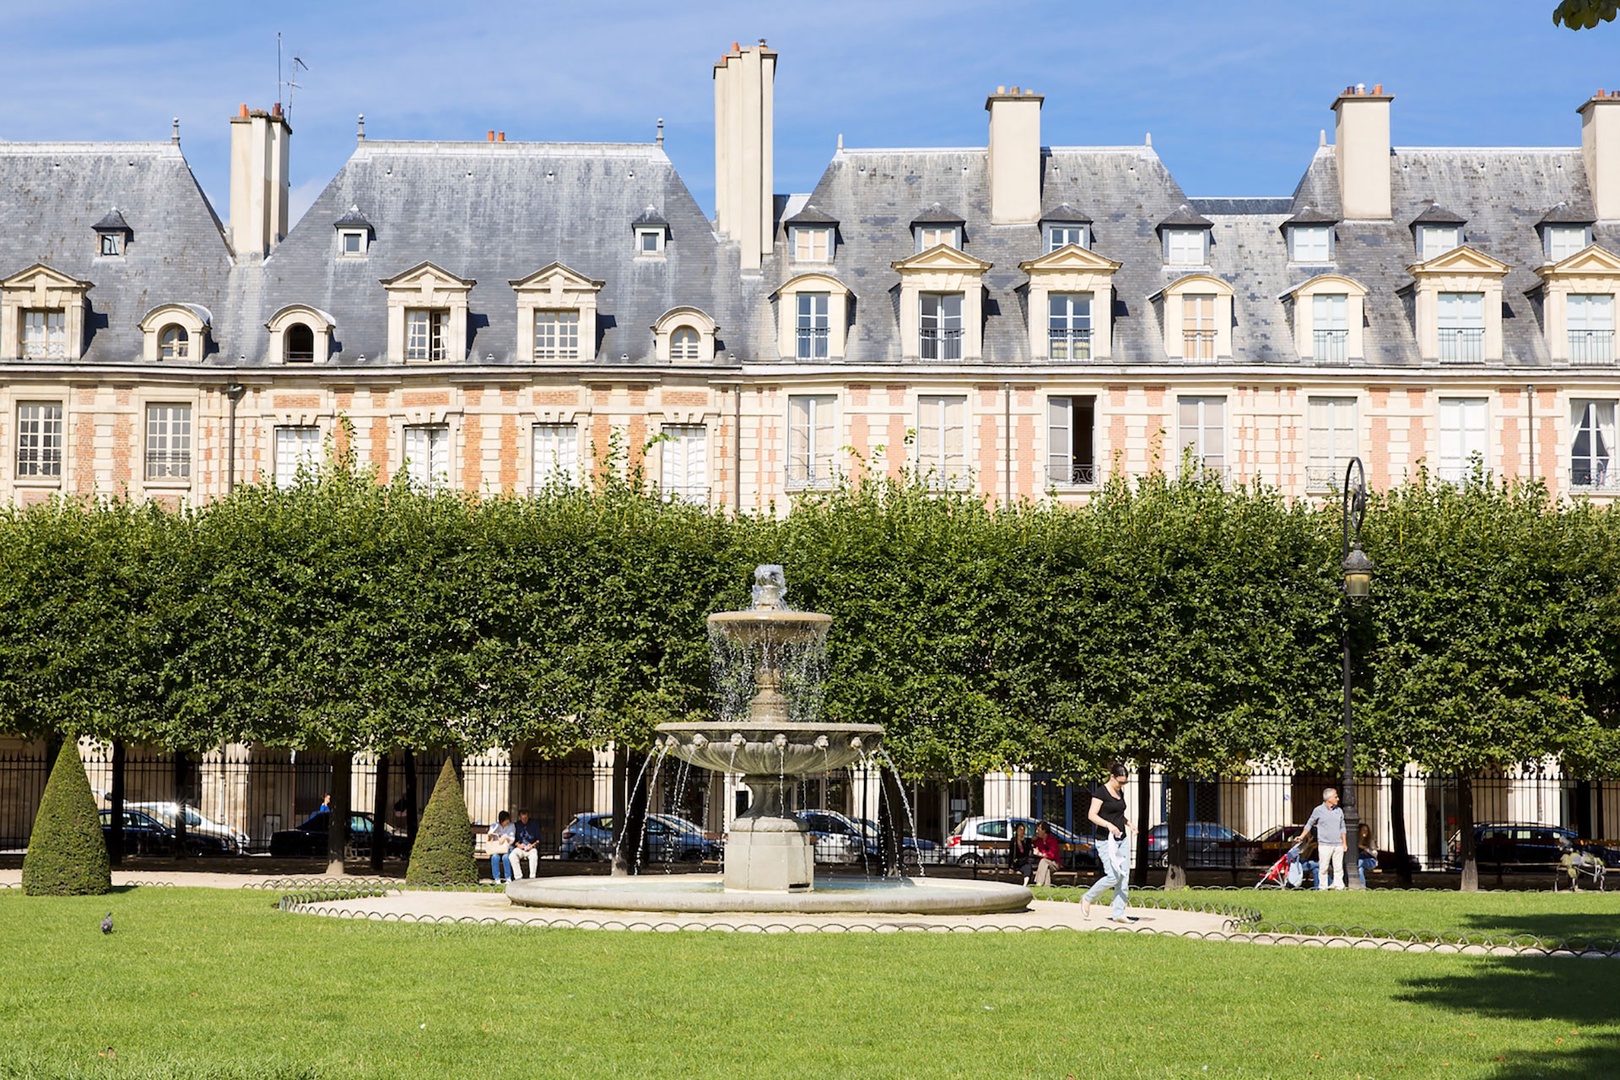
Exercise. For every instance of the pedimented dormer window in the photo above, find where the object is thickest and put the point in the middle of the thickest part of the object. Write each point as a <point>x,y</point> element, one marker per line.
<point>556,310</point>
<point>651,234</point>
<point>935,226</point>
<point>942,305</point>
<point>1457,306</point>
<point>427,315</point>
<point>1579,295</point>
<point>1071,302</point>
<point>112,235</point>
<point>684,335</point>
<point>300,334</point>
<point>354,234</point>
<point>176,333</point>
<point>42,315</point>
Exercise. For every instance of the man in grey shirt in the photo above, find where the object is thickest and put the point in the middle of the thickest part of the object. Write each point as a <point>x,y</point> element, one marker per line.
<point>1328,820</point>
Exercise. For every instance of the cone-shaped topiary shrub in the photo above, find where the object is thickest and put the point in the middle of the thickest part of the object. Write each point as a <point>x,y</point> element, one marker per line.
<point>443,853</point>
<point>67,855</point>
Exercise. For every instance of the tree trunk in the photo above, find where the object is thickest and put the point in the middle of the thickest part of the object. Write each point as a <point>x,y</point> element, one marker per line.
<point>1144,812</point>
<point>1175,869</point>
<point>410,797</point>
<point>1469,879</point>
<point>337,829</point>
<point>181,776</point>
<point>115,797</point>
<point>379,814</point>
<point>1397,824</point>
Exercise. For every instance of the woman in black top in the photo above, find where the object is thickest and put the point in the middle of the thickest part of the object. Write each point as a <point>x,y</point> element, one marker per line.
<point>1020,853</point>
<point>1114,831</point>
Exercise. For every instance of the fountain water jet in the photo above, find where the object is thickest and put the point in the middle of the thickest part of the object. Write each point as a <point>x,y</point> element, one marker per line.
<point>773,739</point>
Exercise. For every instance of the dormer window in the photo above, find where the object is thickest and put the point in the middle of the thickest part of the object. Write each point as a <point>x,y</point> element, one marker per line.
<point>651,231</point>
<point>112,233</point>
<point>683,346</point>
<point>427,315</point>
<point>684,335</point>
<point>812,244</point>
<point>42,315</point>
<point>935,226</point>
<point>174,343</point>
<point>176,333</point>
<point>1310,244</point>
<point>354,234</point>
<point>1562,241</point>
<point>1457,306</point>
<point>1435,240</point>
<point>1064,226</point>
<point>1061,236</point>
<point>1186,247</point>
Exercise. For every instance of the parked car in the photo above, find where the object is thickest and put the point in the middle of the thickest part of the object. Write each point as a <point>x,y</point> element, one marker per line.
<point>1209,844</point>
<point>1516,846</point>
<point>167,813</point>
<point>1268,847</point>
<point>983,841</point>
<point>146,835</point>
<point>308,839</point>
<point>589,837</point>
<point>838,839</point>
<point>912,849</point>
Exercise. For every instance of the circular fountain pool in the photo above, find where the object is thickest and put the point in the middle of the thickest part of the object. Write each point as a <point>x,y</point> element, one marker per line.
<point>707,893</point>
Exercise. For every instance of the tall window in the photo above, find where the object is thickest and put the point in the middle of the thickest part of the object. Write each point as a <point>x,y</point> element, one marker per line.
<point>39,439</point>
<point>168,442</point>
<point>1591,328</point>
<point>174,343</point>
<point>1330,326</point>
<point>684,468</point>
<point>812,245</point>
<point>1184,247</point>
<point>933,235</point>
<point>1462,438</point>
<point>427,456</point>
<point>44,334</point>
<point>556,455</point>
<point>683,345</point>
<point>1593,424</point>
<point>1330,441</point>
<point>1070,441</point>
<point>1311,243</point>
<point>297,447</point>
<point>813,326</point>
<point>941,438</point>
<point>812,435</point>
<point>940,334</point>
<point>1058,236</point>
<point>1434,241</point>
<point>1069,326</point>
<point>1564,241</point>
<point>556,335</point>
<point>1461,321</point>
<point>1201,431</point>
<point>1198,326</point>
<point>425,333</point>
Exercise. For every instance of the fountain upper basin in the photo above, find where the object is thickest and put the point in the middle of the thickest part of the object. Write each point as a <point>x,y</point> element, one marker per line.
<point>769,748</point>
<point>770,624</point>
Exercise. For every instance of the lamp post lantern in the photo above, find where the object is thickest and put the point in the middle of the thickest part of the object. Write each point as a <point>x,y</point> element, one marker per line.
<point>1358,569</point>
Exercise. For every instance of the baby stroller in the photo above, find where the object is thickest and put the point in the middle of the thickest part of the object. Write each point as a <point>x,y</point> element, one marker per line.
<point>1287,872</point>
<point>1578,864</point>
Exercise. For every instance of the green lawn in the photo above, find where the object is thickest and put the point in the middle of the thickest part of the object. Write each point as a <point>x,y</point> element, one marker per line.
<point>215,983</point>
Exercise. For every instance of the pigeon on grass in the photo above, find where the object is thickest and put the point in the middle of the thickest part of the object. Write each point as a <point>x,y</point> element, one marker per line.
<point>106,924</point>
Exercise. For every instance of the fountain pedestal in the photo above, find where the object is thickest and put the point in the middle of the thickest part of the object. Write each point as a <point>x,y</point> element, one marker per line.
<point>769,854</point>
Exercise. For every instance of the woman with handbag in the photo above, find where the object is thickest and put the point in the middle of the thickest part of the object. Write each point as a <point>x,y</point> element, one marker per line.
<point>499,845</point>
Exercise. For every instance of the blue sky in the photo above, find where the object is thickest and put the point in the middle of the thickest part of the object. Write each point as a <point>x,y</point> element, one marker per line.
<point>1233,93</point>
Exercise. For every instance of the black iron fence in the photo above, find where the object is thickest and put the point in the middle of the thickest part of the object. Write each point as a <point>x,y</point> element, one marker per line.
<point>258,798</point>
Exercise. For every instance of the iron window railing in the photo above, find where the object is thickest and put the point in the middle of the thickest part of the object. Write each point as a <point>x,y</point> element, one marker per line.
<point>1462,344</point>
<point>1331,345</point>
<point>1592,475</point>
<point>1069,345</point>
<point>813,341</point>
<point>168,464</point>
<point>1591,346</point>
<point>1198,345</point>
<point>940,344</point>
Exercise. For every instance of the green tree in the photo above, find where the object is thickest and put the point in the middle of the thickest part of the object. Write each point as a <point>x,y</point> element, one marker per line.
<point>1584,14</point>
<point>67,855</point>
<point>443,851</point>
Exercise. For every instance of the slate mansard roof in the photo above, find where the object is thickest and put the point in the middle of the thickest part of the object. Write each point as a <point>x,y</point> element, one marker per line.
<point>497,212</point>
<point>54,195</point>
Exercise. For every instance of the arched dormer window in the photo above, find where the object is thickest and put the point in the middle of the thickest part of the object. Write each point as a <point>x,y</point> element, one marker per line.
<point>812,317</point>
<point>684,335</point>
<point>1328,315</point>
<point>1197,314</point>
<point>300,334</point>
<point>175,333</point>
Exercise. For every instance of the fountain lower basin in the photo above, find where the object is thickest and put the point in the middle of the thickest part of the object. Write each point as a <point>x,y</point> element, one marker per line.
<point>707,894</point>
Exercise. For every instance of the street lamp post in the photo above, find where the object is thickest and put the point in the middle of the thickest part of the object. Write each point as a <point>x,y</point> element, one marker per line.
<point>1358,570</point>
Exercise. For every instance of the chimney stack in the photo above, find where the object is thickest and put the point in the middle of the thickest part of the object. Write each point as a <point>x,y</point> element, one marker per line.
<point>258,180</point>
<point>744,134</point>
<point>1600,149</point>
<point>1015,156</point>
<point>1361,147</point>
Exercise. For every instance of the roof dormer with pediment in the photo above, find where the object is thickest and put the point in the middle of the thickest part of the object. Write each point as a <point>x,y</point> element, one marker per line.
<point>946,271</point>
<point>1464,280</point>
<point>1071,269</point>
<point>1581,331</point>
<point>55,302</point>
<point>547,301</point>
<point>429,288</point>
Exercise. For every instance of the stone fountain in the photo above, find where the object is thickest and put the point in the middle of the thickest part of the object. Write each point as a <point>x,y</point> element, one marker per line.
<point>773,741</point>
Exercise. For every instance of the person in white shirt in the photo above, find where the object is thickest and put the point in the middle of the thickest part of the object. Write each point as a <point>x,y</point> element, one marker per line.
<point>499,845</point>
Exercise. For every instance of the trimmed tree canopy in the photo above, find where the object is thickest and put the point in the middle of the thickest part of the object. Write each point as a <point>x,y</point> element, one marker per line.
<point>67,855</point>
<point>443,852</point>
